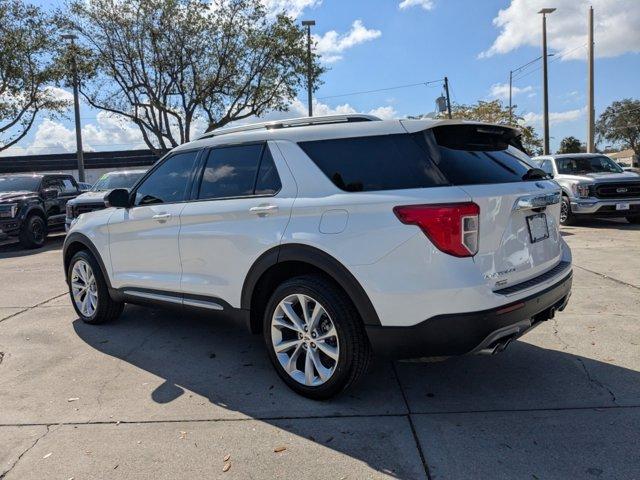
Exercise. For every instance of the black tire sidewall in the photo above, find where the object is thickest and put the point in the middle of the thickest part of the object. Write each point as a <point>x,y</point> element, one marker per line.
<point>338,309</point>
<point>570,218</point>
<point>102,288</point>
<point>27,239</point>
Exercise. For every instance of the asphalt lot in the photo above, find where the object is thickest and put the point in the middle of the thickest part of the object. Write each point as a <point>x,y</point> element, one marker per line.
<point>163,395</point>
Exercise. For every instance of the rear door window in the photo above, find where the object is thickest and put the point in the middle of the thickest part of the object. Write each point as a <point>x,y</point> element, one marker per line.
<point>385,162</point>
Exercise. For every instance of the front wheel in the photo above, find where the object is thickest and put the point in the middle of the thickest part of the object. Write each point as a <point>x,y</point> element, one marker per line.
<point>566,217</point>
<point>89,291</point>
<point>34,232</point>
<point>315,337</point>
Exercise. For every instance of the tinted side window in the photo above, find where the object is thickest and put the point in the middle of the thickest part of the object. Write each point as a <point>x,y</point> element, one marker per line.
<point>546,166</point>
<point>268,181</point>
<point>387,162</point>
<point>168,183</point>
<point>54,183</point>
<point>69,185</point>
<point>230,171</point>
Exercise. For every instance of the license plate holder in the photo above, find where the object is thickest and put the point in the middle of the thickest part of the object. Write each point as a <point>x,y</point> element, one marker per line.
<point>538,227</point>
<point>623,206</point>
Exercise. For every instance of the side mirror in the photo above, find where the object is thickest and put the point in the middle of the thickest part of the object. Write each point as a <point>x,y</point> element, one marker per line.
<point>50,193</point>
<point>118,198</point>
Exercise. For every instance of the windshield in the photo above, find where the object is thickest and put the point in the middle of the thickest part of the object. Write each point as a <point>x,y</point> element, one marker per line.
<point>21,183</point>
<point>582,165</point>
<point>109,181</point>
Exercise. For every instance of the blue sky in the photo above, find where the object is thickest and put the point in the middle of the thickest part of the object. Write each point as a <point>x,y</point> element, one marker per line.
<point>375,44</point>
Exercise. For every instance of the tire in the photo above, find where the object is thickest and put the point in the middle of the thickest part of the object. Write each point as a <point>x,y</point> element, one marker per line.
<point>348,345</point>
<point>566,217</point>
<point>34,232</point>
<point>635,220</point>
<point>83,267</point>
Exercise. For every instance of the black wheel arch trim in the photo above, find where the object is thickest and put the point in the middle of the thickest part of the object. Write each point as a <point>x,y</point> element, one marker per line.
<point>318,259</point>
<point>77,237</point>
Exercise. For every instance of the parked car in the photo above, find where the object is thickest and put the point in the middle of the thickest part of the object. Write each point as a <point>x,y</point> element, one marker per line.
<point>31,205</point>
<point>593,185</point>
<point>336,237</point>
<point>94,198</point>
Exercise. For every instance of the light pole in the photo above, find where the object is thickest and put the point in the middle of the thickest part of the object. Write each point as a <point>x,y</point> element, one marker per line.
<point>76,104</point>
<point>545,80</point>
<point>309,24</point>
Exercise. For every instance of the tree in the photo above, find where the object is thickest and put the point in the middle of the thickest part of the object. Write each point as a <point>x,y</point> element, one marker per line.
<point>495,112</point>
<point>571,145</point>
<point>620,124</point>
<point>28,68</point>
<point>175,66</point>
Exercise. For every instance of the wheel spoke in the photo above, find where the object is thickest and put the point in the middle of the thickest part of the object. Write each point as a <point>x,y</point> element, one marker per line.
<point>304,305</point>
<point>328,350</point>
<point>309,372</point>
<point>298,324</point>
<point>286,345</point>
<point>317,313</point>
<point>323,372</point>
<point>291,363</point>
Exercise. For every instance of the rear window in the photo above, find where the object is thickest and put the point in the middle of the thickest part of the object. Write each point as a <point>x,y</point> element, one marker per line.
<point>386,162</point>
<point>448,155</point>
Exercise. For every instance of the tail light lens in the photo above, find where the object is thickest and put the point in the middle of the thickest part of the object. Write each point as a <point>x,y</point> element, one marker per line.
<point>452,228</point>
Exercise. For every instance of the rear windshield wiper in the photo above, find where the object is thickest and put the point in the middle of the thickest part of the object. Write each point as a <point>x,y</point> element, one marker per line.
<point>535,174</point>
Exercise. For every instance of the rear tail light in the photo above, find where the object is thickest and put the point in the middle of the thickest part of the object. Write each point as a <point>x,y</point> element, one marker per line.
<point>452,228</point>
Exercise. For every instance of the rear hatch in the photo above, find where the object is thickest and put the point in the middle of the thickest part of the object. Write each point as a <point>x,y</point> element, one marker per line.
<point>519,234</point>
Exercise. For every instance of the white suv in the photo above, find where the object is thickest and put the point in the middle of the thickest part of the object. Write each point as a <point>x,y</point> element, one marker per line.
<point>336,237</point>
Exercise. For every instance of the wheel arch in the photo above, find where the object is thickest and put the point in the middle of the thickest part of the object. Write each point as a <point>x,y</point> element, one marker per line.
<point>75,242</point>
<point>289,260</point>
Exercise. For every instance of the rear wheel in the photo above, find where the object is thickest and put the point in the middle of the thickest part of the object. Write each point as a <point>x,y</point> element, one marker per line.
<point>635,220</point>
<point>566,217</point>
<point>34,232</point>
<point>315,337</point>
<point>89,291</point>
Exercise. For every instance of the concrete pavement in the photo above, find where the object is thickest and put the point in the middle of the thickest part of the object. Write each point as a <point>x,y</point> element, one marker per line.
<point>160,394</point>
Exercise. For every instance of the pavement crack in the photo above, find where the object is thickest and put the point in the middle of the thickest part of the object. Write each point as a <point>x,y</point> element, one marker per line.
<point>595,381</point>
<point>621,282</point>
<point>26,309</point>
<point>564,344</point>
<point>5,473</point>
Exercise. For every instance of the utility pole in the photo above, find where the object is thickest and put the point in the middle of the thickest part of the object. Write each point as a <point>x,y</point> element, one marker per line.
<point>446,91</point>
<point>309,24</point>
<point>545,81</point>
<point>591,114</point>
<point>76,105</point>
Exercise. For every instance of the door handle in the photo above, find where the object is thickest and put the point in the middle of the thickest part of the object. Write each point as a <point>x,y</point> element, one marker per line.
<point>263,209</point>
<point>162,217</point>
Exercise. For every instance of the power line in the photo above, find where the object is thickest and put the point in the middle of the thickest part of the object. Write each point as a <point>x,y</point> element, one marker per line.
<point>382,89</point>
<point>555,59</point>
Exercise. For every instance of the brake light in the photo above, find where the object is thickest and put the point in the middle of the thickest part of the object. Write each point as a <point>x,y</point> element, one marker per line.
<point>452,227</point>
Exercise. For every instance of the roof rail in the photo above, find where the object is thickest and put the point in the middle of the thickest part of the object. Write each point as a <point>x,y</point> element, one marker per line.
<point>293,122</point>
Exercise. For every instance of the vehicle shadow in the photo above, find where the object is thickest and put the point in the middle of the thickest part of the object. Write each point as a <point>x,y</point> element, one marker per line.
<point>617,223</point>
<point>217,359</point>
<point>13,249</point>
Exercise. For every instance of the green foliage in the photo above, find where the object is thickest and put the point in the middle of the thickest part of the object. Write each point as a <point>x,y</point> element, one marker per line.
<point>620,124</point>
<point>28,67</point>
<point>168,65</point>
<point>571,145</point>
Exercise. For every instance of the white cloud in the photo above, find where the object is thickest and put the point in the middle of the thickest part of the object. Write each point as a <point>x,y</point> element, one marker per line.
<point>615,24</point>
<point>555,118</point>
<point>298,108</point>
<point>425,4</point>
<point>59,94</point>
<point>501,91</point>
<point>293,8</point>
<point>332,44</point>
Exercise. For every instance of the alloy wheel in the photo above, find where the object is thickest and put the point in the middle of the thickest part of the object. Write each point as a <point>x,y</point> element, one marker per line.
<point>305,340</point>
<point>84,288</point>
<point>564,212</point>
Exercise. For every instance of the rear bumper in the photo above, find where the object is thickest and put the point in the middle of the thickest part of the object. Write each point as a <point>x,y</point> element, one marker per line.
<point>457,334</point>
<point>605,208</point>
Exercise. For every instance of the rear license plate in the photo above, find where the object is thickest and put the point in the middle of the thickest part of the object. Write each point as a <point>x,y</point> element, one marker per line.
<point>622,206</point>
<point>538,228</point>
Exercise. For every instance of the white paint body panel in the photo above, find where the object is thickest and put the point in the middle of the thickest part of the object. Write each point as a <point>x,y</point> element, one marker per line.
<point>207,247</point>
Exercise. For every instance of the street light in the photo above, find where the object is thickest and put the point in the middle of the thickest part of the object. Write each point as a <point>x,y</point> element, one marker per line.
<point>545,82</point>
<point>76,104</point>
<point>309,24</point>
